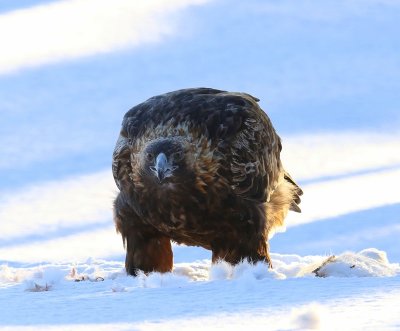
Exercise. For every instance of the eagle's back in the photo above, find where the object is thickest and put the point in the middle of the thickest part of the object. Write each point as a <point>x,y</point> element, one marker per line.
<point>229,130</point>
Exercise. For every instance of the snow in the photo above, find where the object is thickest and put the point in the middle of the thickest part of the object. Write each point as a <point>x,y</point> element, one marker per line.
<point>328,76</point>
<point>200,294</point>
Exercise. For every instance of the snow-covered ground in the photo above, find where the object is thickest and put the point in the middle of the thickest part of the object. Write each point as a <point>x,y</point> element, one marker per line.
<point>328,76</point>
<point>361,292</point>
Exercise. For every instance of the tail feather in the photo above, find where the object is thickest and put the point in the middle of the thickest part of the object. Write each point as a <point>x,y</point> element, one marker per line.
<point>294,207</point>
<point>297,192</point>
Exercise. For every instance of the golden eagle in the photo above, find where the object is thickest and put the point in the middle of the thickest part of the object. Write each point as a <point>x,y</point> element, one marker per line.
<point>200,167</point>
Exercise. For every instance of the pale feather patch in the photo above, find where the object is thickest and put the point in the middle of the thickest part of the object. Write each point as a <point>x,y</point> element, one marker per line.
<point>278,206</point>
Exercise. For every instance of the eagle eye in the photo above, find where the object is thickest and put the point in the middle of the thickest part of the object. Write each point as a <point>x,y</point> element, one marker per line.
<point>149,157</point>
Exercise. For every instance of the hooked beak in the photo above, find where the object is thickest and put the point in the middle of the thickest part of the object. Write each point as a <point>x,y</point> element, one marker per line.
<point>162,168</point>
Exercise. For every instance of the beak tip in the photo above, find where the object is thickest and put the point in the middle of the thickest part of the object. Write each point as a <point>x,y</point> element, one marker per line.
<point>162,168</point>
<point>160,175</point>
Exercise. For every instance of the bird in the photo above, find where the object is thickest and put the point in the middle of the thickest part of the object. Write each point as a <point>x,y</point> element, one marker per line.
<point>199,167</point>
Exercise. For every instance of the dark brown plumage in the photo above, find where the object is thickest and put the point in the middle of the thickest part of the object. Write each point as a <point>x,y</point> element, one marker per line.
<point>200,167</point>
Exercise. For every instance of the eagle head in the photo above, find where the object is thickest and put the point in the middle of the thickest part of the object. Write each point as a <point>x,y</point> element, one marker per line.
<point>163,159</point>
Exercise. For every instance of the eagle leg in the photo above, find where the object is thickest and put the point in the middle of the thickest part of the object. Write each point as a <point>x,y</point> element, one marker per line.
<point>254,251</point>
<point>146,248</point>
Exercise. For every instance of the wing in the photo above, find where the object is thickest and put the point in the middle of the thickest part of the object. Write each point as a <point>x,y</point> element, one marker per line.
<point>254,168</point>
<point>123,174</point>
<point>120,162</point>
